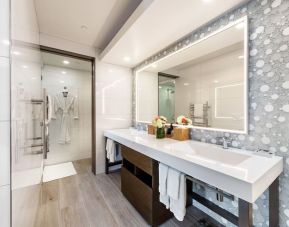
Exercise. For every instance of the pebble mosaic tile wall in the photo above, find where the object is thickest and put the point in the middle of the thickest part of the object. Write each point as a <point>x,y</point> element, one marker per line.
<point>268,93</point>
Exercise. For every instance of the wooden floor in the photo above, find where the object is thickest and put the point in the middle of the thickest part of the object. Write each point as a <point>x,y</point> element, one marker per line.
<point>83,200</point>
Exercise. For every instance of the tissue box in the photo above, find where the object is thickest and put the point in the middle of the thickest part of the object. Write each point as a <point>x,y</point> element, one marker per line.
<point>181,134</point>
<point>151,130</point>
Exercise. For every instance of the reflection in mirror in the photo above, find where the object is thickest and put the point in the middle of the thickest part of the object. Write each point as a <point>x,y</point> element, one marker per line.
<point>206,82</point>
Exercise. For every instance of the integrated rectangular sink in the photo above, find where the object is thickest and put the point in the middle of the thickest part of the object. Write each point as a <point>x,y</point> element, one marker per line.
<point>209,152</point>
<point>238,172</point>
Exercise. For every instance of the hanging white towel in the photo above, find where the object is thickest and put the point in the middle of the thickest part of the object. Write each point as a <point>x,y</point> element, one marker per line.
<point>173,183</point>
<point>178,206</point>
<point>163,176</point>
<point>110,150</point>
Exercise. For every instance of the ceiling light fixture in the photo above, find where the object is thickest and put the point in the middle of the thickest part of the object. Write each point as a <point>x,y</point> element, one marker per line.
<point>16,53</point>
<point>154,65</point>
<point>63,72</point>
<point>66,62</point>
<point>24,66</point>
<point>127,59</point>
<point>61,81</point>
<point>216,81</point>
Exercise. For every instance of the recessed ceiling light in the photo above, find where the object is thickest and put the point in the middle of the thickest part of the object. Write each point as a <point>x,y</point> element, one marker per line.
<point>216,81</point>
<point>6,42</point>
<point>154,65</point>
<point>83,27</point>
<point>186,84</point>
<point>16,53</point>
<point>240,25</point>
<point>66,62</point>
<point>34,78</point>
<point>24,66</point>
<point>63,72</point>
<point>241,57</point>
<point>127,59</point>
<point>61,81</point>
<point>207,0</point>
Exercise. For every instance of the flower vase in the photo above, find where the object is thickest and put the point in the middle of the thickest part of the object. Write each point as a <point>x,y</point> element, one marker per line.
<point>160,133</point>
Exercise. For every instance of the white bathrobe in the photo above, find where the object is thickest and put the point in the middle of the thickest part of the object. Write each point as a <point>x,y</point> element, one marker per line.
<point>68,106</point>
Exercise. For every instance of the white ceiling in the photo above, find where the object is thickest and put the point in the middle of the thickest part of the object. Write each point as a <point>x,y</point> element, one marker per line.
<point>103,19</point>
<point>57,60</point>
<point>157,24</point>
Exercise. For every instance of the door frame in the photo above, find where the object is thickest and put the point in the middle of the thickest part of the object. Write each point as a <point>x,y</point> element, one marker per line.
<point>92,60</point>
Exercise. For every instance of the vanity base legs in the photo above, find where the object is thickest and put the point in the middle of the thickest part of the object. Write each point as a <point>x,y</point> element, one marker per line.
<point>245,208</point>
<point>274,204</point>
<point>245,214</point>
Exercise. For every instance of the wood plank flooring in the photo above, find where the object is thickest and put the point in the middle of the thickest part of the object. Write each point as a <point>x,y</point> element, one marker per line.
<point>83,200</point>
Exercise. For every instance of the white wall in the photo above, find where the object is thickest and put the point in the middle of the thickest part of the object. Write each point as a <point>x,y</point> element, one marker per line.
<point>147,96</point>
<point>67,45</point>
<point>113,103</point>
<point>79,84</point>
<point>4,115</point>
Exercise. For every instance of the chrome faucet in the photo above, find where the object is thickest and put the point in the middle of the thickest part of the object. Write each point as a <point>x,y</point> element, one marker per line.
<point>225,141</point>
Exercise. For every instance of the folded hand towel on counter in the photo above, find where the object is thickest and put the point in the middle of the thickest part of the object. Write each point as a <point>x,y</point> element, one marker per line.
<point>178,206</point>
<point>163,175</point>
<point>110,150</point>
<point>173,184</point>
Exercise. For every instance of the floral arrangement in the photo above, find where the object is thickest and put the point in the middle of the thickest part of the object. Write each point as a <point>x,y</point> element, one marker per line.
<point>159,122</point>
<point>182,120</point>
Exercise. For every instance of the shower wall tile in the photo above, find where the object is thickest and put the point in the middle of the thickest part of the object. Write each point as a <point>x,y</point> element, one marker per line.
<point>4,153</point>
<point>5,206</point>
<point>4,28</point>
<point>268,94</point>
<point>4,89</point>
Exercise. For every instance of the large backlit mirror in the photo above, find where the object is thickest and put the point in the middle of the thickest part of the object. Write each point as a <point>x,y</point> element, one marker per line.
<point>206,82</point>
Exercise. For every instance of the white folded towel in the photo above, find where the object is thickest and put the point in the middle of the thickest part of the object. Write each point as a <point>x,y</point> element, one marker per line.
<point>178,206</point>
<point>163,176</point>
<point>110,150</point>
<point>173,183</point>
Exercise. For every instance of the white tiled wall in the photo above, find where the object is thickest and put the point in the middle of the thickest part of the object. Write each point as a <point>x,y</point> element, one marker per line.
<point>4,114</point>
<point>4,28</point>
<point>147,98</point>
<point>5,206</point>
<point>113,103</point>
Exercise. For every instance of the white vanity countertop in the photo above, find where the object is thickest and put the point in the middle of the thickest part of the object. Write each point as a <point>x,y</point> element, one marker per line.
<point>238,172</point>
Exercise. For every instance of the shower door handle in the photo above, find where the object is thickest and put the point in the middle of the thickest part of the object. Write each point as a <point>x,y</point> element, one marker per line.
<point>44,125</point>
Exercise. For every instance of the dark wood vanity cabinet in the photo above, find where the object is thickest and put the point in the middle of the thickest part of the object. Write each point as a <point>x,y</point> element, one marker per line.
<point>139,184</point>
